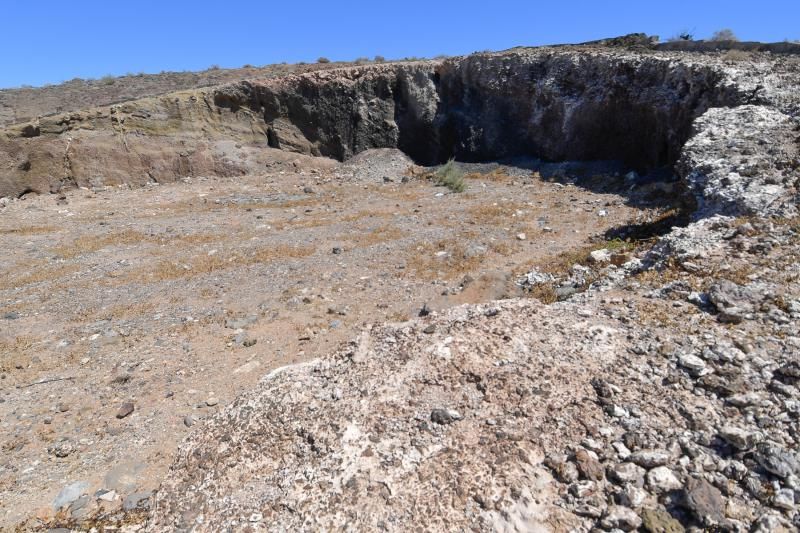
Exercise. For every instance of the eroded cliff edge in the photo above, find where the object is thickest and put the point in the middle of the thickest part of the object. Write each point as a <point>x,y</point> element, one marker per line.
<point>554,103</point>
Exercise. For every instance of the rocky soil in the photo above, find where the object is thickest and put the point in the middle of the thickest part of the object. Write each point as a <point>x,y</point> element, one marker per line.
<point>543,352</point>
<point>172,299</point>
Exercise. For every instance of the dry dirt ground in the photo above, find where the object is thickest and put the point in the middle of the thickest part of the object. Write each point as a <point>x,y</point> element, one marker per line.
<point>175,298</point>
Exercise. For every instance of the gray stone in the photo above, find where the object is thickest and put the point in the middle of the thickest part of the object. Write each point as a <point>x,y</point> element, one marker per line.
<point>240,322</point>
<point>445,416</point>
<point>776,460</point>
<point>70,493</point>
<point>650,458</point>
<point>704,501</point>
<point>79,504</point>
<point>137,500</point>
<point>627,473</point>
<point>124,477</point>
<point>600,257</point>
<point>733,302</point>
<point>662,479</point>
<point>739,438</point>
<point>784,499</point>
<point>125,409</point>
<point>692,363</point>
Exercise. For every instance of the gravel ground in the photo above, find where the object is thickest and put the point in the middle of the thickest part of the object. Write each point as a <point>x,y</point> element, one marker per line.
<point>127,316</point>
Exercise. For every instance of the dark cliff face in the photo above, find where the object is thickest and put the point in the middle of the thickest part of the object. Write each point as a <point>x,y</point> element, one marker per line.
<point>553,103</point>
<point>556,105</point>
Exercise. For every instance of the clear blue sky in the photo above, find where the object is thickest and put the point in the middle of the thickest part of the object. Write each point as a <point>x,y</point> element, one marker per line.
<point>49,41</point>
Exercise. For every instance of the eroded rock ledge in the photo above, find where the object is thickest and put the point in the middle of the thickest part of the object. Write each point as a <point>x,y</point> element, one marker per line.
<point>555,103</point>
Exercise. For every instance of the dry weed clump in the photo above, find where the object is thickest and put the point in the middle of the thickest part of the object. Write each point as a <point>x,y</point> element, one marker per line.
<point>446,259</point>
<point>200,265</point>
<point>493,214</point>
<point>30,230</point>
<point>87,244</point>
<point>377,236</point>
<point>38,274</point>
<point>14,352</point>
<point>498,175</point>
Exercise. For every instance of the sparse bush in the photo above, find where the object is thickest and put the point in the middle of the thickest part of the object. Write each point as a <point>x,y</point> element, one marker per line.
<point>450,176</point>
<point>108,79</point>
<point>248,65</point>
<point>323,60</point>
<point>725,34</point>
<point>360,60</point>
<point>214,67</point>
<point>379,59</point>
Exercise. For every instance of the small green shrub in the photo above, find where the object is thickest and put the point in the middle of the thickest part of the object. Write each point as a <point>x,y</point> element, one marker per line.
<point>379,59</point>
<point>450,176</point>
<point>323,60</point>
<point>108,80</point>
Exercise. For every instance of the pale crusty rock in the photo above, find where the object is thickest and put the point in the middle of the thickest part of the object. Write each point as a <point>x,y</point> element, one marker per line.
<point>290,451</point>
<point>743,161</point>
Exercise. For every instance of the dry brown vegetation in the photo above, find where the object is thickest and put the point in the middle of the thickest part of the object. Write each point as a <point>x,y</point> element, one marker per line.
<point>30,230</point>
<point>37,274</point>
<point>498,175</point>
<point>91,243</point>
<point>206,264</point>
<point>494,214</point>
<point>445,259</point>
<point>377,236</point>
<point>14,352</point>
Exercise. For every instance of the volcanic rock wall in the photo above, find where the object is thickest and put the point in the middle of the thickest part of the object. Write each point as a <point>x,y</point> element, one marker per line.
<point>555,103</point>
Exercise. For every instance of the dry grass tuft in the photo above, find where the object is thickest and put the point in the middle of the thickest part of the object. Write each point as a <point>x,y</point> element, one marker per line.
<point>30,230</point>
<point>378,236</point>
<point>200,265</point>
<point>14,352</point>
<point>38,274</point>
<point>428,262</point>
<point>494,214</point>
<point>87,244</point>
<point>498,175</point>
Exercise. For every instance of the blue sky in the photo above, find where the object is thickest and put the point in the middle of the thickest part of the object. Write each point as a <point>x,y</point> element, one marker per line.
<point>49,41</point>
